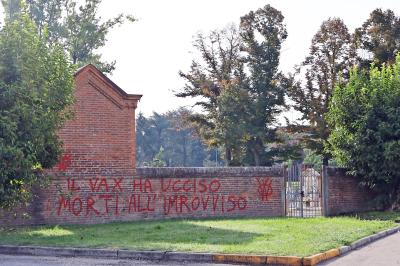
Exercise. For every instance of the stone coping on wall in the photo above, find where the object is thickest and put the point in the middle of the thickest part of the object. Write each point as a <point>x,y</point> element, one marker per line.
<point>334,170</point>
<point>159,172</point>
<point>177,172</point>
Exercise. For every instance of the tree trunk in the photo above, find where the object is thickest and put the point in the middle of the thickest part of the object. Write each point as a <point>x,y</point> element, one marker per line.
<point>184,151</point>
<point>228,155</point>
<point>257,159</point>
<point>325,160</point>
<point>395,197</point>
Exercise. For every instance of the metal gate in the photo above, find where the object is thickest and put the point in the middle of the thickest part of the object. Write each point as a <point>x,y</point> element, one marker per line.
<point>303,191</point>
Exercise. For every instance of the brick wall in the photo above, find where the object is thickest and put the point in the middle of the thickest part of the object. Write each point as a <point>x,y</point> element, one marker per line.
<point>96,180</point>
<point>158,193</point>
<point>101,137</point>
<point>343,193</point>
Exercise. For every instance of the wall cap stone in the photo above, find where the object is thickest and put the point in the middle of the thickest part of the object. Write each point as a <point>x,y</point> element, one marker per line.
<point>209,171</point>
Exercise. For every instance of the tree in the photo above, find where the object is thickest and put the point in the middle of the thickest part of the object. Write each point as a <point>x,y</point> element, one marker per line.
<point>158,160</point>
<point>312,158</point>
<point>181,144</point>
<point>379,38</point>
<point>47,16</point>
<point>263,33</point>
<point>143,140</point>
<point>231,125</point>
<point>331,55</point>
<point>207,79</point>
<point>184,145</point>
<point>77,27</point>
<point>151,135</point>
<point>287,147</point>
<point>238,85</point>
<point>365,117</point>
<point>34,104</point>
<point>11,9</point>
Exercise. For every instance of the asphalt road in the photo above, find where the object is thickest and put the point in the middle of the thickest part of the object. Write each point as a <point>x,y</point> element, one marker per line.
<point>11,260</point>
<point>384,252</point>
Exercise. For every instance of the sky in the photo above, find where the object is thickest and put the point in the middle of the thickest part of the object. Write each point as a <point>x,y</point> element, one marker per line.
<point>151,51</point>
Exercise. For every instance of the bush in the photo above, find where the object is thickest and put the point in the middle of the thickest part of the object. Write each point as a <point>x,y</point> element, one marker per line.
<point>36,87</point>
<point>365,117</point>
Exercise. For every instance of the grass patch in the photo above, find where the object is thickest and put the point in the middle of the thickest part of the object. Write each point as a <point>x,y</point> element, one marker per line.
<point>380,216</point>
<point>268,236</point>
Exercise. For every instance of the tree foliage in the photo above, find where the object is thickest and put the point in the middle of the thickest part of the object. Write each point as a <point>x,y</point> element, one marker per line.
<point>36,87</point>
<point>378,38</point>
<point>181,145</point>
<point>263,33</point>
<point>331,56</point>
<point>365,117</point>
<point>237,82</point>
<point>211,80</point>
<point>158,160</point>
<point>78,28</point>
<point>232,129</point>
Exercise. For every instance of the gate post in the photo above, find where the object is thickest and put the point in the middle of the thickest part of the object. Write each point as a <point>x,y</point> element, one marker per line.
<point>301,179</point>
<point>284,200</point>
<point>325,191</point>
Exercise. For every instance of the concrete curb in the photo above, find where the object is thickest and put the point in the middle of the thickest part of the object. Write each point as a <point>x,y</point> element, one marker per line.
<point>194,257</point>
<point>317,258</point>
<point>366,240</point>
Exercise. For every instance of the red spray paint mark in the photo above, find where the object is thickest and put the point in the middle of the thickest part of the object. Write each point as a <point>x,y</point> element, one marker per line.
<point>64,163</point>
<point>264,189</point>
